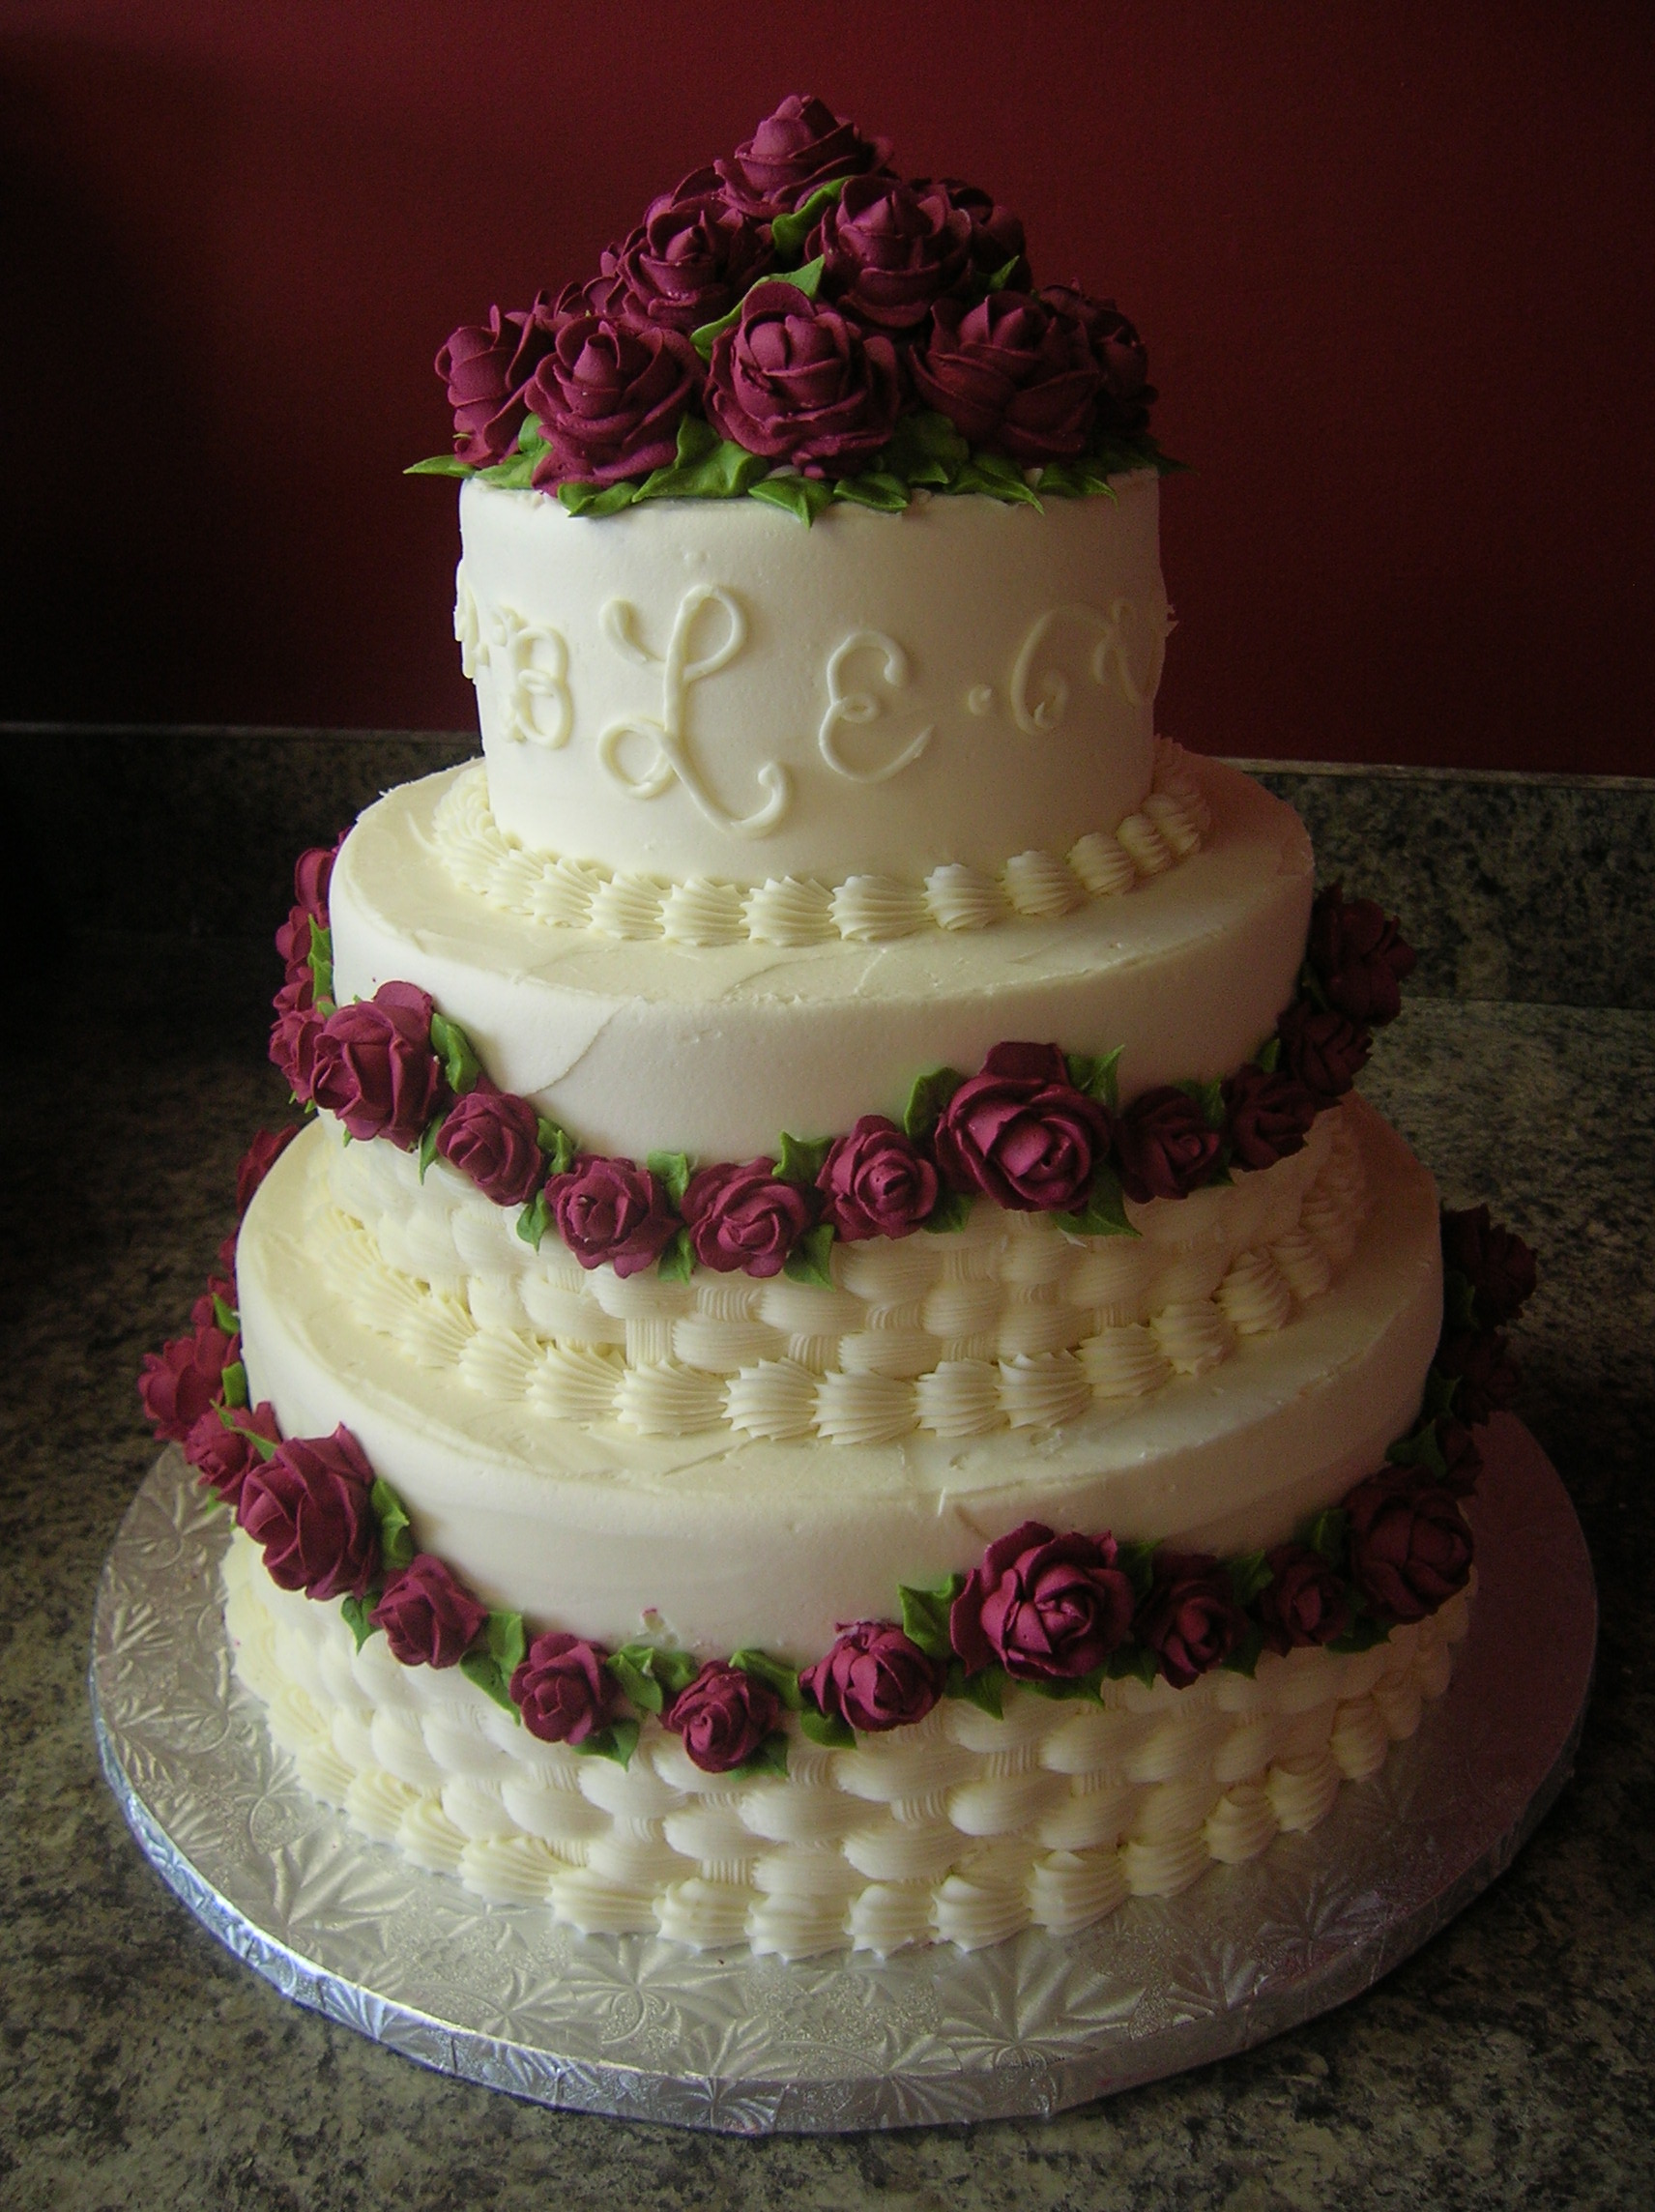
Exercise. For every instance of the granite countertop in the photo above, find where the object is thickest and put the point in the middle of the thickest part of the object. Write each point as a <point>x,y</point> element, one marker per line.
<point>1509,2062</point>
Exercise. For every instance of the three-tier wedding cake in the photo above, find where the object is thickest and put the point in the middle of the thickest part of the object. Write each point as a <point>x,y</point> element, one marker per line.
<point>836,1361</point>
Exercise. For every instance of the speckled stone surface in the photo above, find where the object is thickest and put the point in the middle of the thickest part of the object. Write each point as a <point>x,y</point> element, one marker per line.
<point>1510,2063</point>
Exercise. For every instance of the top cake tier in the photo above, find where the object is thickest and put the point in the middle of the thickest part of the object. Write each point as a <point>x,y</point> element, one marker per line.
<point>705,688</point>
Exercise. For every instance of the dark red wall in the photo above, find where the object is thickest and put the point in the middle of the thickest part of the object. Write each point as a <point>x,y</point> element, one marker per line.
<point>1393,264</point>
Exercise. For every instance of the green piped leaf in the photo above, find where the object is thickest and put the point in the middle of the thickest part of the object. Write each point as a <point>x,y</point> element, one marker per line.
<point>802,497</point>
<point>1137,1562</point>
<point>1439,1392</point>
<point>927,1099</point>
<point>671,1171</point>
<point>355,1611</point>
<point>1104,1214</point>
<point>579,498</point>
<point>516,473</point>
<point>925,1609</point>
<point>1074,479</point>
<point>481,1668</point>
<point>884,494</point>
<point>461,1066</point>
<point>1362,1635</point>
<point>1121,457</point>
<point>440,465</point>
<point>233,1381</point>
<point>824,1728</point>
<point>707,467</point>
<point>799,1159</point>
<point>1132,1663</point>
<point>321,960</point>
<point>1003,274</point>
<point>707,334</point>
<point>1097,1076</point>
<point>952,1211</point>
<point>782,1679</point>
<point>557,1144</point>
<point>925,449</point>
<point>617,1741</point>
<point>225,1317</point>
<point>534,1220</point>
<point>1458,1300</point>
<point>997,479</point>
<point>395,1532</point>
<point>808,277</point>
<point>506,1641</point>
<point>676,1262</point>
<point>770,1757</point>
<point>1268,1055</point>
<point>263,1445</point>
<point>429,1136</point>
<point>1249,1573</point>
<point>1421,1448</point>
<point>1244,1659</point>
<point>789,232</point>
<point>650,1676</point>
<point>1327,1534</point>
<point>807,1262</point>
<point>986,1689</point>
<point>1209,1097</point>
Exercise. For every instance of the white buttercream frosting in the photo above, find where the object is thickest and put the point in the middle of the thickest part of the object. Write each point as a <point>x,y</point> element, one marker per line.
<point>963,1828</point>
<point>863,909</point>
<point>566,1441</point>
<point>705,688</point>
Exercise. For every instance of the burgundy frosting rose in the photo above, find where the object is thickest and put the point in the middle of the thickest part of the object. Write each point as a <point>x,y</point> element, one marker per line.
<point>876,1182</point>
<point>1410,1547</point>
<point>428,1615</point>
<point>1324,1051</point>
<point>1461,1458</point>
<point>292,942</point>
<point>1013,374</point>
<point>561,1689</point>
<point>1498,1265</point>
<point>1477,1360</point>
<point>308,1507</point>
<point>687,263</point>
<point>1304,1602</point>
<point>889,249</point>
<point>1358,954</point>
<point>487,368</point>
<point>745,1216</point>
<point>610,397</point>
<point>294,1036</point>
<point>723,1717</point>
<point>493,1137</point>
<point>1125,393</point>
<point>312,873</point>
<point>1164,1146</point>
<point>374,1068</point>
<point>995,233</point>
<point>1046,1608</point>
<point>184,1378</point>
<point>612,1214</point>
<point>1021,1134</point>
<point>1267,1116</point>
<point>801,146</point>
<point>223,1456</point>
<point>1189,1619</point>
<point>874,1678</point>
<point>256,1162</point>
<point>797,381</point>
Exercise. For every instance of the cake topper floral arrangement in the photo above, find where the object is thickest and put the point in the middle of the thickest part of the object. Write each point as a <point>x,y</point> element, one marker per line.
<point>799,324</point>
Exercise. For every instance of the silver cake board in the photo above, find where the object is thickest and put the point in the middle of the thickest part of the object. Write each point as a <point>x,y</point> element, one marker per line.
<point>643,2028</point>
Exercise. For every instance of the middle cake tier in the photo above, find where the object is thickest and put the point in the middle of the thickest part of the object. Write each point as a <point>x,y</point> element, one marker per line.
<point>642,1044</point>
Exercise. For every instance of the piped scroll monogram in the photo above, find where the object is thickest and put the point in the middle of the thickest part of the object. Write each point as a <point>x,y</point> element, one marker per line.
<point>1039,698</point>
<point>672,761</point>
<point>527,668</point>
<point>863,707</point>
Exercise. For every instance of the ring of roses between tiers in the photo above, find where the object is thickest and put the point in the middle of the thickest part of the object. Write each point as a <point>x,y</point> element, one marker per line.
<point>1058,1614</point>
<point>1034,1130</point>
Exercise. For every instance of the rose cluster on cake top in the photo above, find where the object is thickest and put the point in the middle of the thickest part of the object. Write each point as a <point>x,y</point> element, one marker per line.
<point>798,322</point>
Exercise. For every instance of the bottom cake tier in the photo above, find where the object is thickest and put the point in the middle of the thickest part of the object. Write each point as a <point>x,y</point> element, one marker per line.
<point>963,1828</point>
